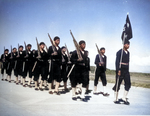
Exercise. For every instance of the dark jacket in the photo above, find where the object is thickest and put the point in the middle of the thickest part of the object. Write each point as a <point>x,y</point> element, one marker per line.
<point>55,58</point>
<point>84,62</point>
<point>125,59</point>
<point>97,61</point>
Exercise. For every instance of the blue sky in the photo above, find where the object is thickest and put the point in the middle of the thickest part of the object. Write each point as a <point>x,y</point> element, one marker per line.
<point>95,21</point>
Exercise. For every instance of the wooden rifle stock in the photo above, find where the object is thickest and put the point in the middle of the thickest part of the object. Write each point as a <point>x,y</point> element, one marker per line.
<point>53,46</point>
<point>67,53</point>
<point>11,53</point>
<point>101,60</point>
<point>4,55</point>
<point>39,56</point>
<point>18,51</point>
<point>76,46</point>
<point>26,49</point>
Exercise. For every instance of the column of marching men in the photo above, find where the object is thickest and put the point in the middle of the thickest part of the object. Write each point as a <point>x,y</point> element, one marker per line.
<point>56,66</point>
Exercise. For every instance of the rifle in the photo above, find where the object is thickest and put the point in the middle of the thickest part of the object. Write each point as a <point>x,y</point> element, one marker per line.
<point>100,56</point>
<point>76,46</point>
<point>46,48</point>
<point>11,53</point>
<point>18,51</point>
<point>67,53</point>
<point>53,46</point>
<point>3,60</point>
<point>78,52</point>
<point>39,55</point>
<point>26,49</point>
<point>4,55</point>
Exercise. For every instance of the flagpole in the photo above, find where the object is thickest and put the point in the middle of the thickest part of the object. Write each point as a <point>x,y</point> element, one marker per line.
<point>120,67</point>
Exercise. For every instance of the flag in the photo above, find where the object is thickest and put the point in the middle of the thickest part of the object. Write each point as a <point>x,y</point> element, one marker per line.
<point>127,31</point>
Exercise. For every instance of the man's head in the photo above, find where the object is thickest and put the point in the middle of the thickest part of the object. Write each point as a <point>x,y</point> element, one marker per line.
<point>20,48</point>
<point>42,45</point>
<point>29,46</point>
<point>6,51</point>
<point>63,49</point>
<point>56,40</point>
<point>14,50</point>
<point>82,44</point>
<point>102,50</point>
<point>126,45</point>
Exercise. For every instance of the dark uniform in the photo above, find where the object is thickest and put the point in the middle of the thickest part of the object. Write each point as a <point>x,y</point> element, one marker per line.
<point>14,63</point>
<point>20,63</point>
<point>56,61</point>
<point>40,66</point>
<point>5,60</point>
<point>64,68</point>
<point>69,65</point>
<point>100,70</point>
<point>33,59</point>
<point>124,70</point>
<point>10,65</point>
<point>79,71</point>
<point>28,64</point>
<point>87,64</point>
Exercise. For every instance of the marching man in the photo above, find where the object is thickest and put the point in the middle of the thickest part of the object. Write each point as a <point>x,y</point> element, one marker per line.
<point>100,72</point>
<point>122,65</point>
<point>123,73</point>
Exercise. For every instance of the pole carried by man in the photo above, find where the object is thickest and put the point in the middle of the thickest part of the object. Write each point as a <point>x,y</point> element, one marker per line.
<point>122,64</point>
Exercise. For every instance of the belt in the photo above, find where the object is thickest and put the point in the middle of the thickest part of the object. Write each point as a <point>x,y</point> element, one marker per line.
<point>124,63</point>
<point>82,64</point>
<point>57,60</point>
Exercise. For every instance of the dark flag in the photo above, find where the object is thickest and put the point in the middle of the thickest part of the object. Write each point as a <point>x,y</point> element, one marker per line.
<point>127,31</point>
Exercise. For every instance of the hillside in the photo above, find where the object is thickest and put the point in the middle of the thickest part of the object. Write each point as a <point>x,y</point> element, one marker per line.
<point>137,79</point>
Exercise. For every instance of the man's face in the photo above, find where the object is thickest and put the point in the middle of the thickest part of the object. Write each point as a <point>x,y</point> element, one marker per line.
<point>14,50</point>
<point>103,51</point>
<point>33,51</point>
<point>57,41</point>
<point>42,46</point>
<point>82,46</point>
<point>64,50</point>
<point>6,52</point>
<point>20,49</point>
<point>126,46</point>
<point>29,47</point>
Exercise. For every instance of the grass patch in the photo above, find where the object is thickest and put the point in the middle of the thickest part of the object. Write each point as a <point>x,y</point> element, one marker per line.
<point>137,79</point>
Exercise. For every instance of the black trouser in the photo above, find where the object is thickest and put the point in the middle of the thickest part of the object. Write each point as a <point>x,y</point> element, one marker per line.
<point>9,68</point>
<point>81,76</point>
<point>4,67</point>
<point>28,68</point>
<point>20,67</point>
<point>124,76</point>
<point>68,70</point>
<point>15,68</point>
<point>87,76</point>
<point>55,72</point>
<point>64,73</point>
<point>40,69</point>
<point>100,74</point>
<point>73,78</point>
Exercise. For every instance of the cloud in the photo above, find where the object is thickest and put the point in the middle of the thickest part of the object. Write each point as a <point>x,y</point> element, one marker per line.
<point>140,61</point>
